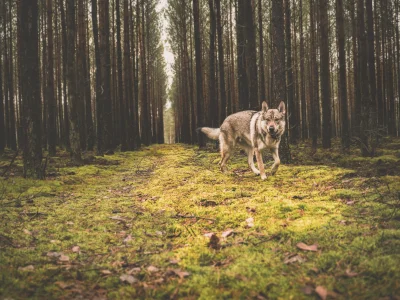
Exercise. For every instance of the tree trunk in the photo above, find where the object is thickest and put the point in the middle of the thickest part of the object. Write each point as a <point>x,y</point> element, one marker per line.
<point>243,87</point>
<point>304,132</point>
<point>345,132</point>
<point>51,100</point>
<point>2,127</point>
<point>124,86</point>
<point>199,74</point>
<point>99,90</point>
<point>251,56</point>
<point>278,68</point>
<point>64,67</point>
<point>221,58</point>
<point>314,89</point>
<point>212,117</point>
<point>32,111</point>
<point>261,45</point>
<point>71,82</point>
<point>325,75</point>
<point>293,122</point>
<point>105,58</point>
<point>145,107</point>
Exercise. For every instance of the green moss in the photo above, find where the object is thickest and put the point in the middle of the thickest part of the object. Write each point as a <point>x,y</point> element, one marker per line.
<point>146,208</point>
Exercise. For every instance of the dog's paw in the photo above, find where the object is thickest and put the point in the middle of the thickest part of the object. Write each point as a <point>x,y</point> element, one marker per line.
<point>263,177</point>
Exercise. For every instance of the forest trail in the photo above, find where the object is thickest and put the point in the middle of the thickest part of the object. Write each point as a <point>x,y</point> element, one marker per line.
<point>164,221</point>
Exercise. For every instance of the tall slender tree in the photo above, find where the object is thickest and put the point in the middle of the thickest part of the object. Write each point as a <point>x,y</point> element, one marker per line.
<point>278,68</point>
<point>221,65</point>
<point>32,109</point>
<point>105,58</point>
<point>51,100</point>
<point>342,73</point>
<point>325,75</point>
<point>199,72</point>
<point>71,82</point>
<point>293,123</point>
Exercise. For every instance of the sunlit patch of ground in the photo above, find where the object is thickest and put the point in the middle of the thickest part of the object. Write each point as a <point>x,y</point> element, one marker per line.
<point>164,222</point>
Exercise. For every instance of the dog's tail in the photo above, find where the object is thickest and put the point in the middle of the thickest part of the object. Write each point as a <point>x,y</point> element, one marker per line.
<point>211,133</point>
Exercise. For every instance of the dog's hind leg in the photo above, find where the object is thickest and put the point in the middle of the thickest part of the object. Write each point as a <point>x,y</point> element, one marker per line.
<point>277,161</point>
<point>250,159</point>
<point>225,147</point>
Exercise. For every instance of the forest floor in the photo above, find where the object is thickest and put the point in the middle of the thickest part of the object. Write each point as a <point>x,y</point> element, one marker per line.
<point>164,222</point>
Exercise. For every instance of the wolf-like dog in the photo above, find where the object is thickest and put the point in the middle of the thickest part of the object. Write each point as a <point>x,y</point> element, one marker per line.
<point>252,131</point>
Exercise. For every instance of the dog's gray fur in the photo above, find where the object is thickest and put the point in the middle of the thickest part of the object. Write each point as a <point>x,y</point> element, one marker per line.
<point>253,131</point>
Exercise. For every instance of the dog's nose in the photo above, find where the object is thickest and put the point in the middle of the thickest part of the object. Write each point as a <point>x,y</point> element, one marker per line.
<point>271,128</point>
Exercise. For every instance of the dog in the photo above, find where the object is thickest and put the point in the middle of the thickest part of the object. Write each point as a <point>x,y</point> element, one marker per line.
<point>252,131</point>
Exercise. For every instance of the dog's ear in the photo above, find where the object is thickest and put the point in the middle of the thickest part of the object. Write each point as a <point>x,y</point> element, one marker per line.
<point>264,106</point>
<point>282,107</point>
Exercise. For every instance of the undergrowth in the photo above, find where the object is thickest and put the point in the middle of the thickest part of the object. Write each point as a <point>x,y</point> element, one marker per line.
<point>164,222</point>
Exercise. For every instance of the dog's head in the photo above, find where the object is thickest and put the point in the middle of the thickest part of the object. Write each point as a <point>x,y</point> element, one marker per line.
<point>273,120</point>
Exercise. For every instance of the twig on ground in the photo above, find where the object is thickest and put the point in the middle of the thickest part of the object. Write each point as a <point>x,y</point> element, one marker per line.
<point>193,217</point>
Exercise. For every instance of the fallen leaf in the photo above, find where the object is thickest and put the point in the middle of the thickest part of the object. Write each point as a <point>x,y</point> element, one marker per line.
<point>174,262</point>
<point>63,258</point>
<point>152,269</point>
<point>76,249</point>
<point>180,273</point>
<point>305,247</point>
<point>63,285</point>
<point>350,202</point>
<point>159,233</point>
<point>349,273</point>
<point>27,268</point>
<point>293,259</point>
<point>250,222</point>
<point>106,272</point>
<point>53,254</point>
<point>227,233</point>
<point>209,235</point>
<point>134,271</point>
<point>128,278</point>
<point>26,231</point>
<point>322,292</point>
<point>70,223</point>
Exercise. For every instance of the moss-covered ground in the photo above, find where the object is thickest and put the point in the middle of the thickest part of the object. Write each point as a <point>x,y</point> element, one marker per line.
<point>164,222</point>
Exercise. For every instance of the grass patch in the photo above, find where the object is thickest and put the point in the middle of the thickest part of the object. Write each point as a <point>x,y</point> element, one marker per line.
<point>149,215</point>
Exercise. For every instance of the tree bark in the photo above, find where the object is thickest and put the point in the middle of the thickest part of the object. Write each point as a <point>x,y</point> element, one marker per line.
<point>72,86</point>
<point>293,122</point>
<point>51,100</point>
<point>278,68</point>
<point>199,74</point>
<point>345,132</point>
<point>32,109</point>
<point>325,75</point>
<point>221,69</point>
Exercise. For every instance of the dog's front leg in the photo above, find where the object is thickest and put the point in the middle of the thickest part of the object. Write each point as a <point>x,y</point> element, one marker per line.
<point>260,164</point>
<point>277,161</point>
